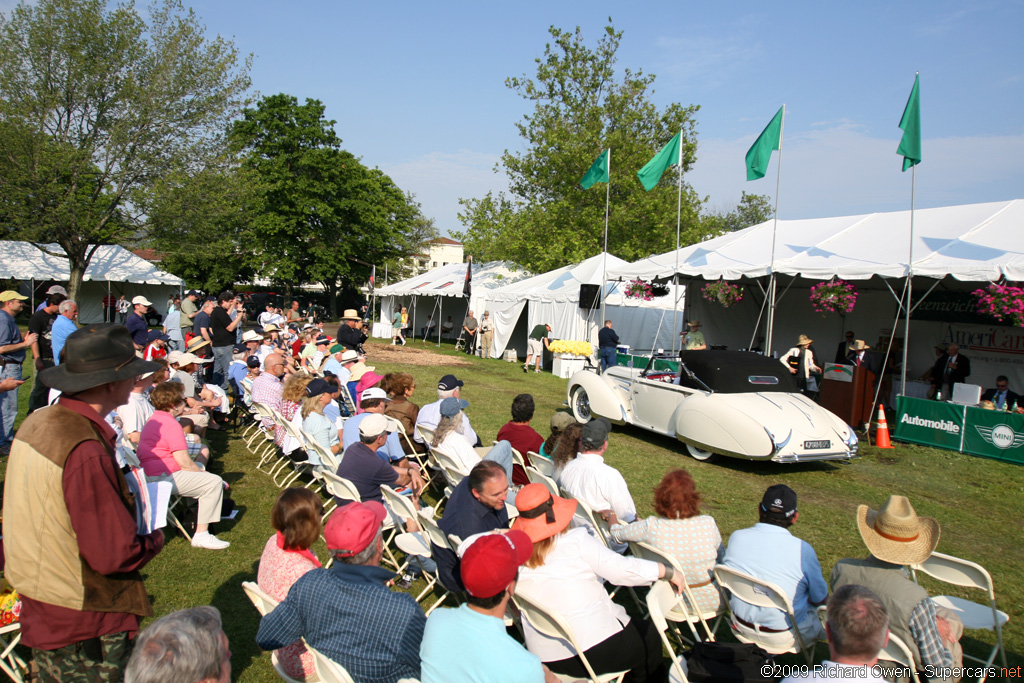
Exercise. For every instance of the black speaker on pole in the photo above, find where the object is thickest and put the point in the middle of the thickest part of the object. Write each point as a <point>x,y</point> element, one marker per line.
<point>590,296</point>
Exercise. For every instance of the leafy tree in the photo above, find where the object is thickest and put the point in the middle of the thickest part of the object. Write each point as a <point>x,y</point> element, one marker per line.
<point>98,104</point>
<point>751,210</point>
<point>323,214</point>
<point>581,107</point>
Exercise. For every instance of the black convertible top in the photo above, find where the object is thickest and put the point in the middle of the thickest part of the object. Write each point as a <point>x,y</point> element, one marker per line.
<point>736,372</point>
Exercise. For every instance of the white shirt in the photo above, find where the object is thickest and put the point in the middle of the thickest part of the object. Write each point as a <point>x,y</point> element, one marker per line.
<point>455,445</point>
<point>598,485</point>
<point>430,415</point>
<point>831,671</point>
<point>571,583</point>
<point>134,413</point>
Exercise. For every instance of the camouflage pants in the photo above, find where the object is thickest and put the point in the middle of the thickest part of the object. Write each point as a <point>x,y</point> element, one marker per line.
<point>97,660</point>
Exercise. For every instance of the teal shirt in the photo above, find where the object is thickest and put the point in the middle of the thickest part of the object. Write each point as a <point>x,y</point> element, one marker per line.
<point>466,646</point>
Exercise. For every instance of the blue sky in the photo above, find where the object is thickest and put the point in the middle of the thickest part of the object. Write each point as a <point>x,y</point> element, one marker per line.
<point>417,89</point>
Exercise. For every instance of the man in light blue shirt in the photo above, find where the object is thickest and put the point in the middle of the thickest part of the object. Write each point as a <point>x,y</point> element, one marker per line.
<point>475,630</point>
<point>373,401</point>
<point>771,553</point>
<point>339,362</point>
<point>63,326</point>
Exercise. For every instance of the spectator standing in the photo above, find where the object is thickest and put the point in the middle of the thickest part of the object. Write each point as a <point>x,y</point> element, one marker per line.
<point>122,309</point>
<point>535,345</point>
<point>286,557</point>
<point>396,329</point>
<point>12,355</point>
<point>172,328</point>
<point>694,339</point>
<point>608,346</point>
<point>71,540</point>
<point>950,369</point>
<point>136,322</point>
<point>350,333</point>
<point>109,308</point>
<point>189,311</point>
<point>486,335</point>
<point>54,289</point>
<point>173,303</point>
<point>470,327</point>
<point>202,325</point>
<point>63,327</point>
<point>222,336</point>
<point>803,364</point>
<point>293,315</point>
<point>41,324</point>
<point>769,551</point>
<point>843,349</point>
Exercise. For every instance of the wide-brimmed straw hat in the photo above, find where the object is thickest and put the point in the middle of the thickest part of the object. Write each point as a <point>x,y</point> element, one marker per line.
<point>858,345</point>
<point>896,534</point>
<point>541,514</point>
<point>694,323</point>
<point>271,328</point>
<point>195,343</point>
<point>95,355</point>
<point>804,339</point>
<point>358,370</point>
<point>351,314</point>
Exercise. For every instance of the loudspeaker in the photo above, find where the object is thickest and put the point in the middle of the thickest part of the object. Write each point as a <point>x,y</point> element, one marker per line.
<point>590,296</point>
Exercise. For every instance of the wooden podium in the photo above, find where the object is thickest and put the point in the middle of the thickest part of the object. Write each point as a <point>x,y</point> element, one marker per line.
<point>850,400</point>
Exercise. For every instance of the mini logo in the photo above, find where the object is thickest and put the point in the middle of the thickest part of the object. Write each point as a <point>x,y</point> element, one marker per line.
<point>1001,436</point>
<point>777,503</point>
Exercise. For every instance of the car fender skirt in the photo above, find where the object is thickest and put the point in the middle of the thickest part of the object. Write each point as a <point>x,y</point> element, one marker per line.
<point>602,398</point>
<point>713,425</point>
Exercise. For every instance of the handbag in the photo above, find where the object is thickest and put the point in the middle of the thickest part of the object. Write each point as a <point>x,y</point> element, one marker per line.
<point>727,663</point>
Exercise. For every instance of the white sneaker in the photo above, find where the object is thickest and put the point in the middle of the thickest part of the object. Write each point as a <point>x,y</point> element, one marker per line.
<point>208,541</point>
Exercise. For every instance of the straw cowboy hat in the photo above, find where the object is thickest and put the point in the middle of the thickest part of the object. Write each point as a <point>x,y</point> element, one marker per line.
<point>351,314</point>
<point>858,345</point>
<point>195,343</point>
<point>896,534</point>
<point>694,323</point>
<point>803,339</point>
<point>271,328</point>
<point>541,514</point>
<point>95,355</point>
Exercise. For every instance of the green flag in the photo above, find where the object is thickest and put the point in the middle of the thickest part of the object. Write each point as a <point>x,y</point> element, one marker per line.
<point>910,145</point>
<point>651,173</point>
<point>598,172</point>
<point>760,152</point>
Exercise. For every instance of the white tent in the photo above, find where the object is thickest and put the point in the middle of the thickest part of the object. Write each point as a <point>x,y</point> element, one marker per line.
<point>953,245</point>
<point>553,298</point>
<point>113,269</point>
<point>439,292</point>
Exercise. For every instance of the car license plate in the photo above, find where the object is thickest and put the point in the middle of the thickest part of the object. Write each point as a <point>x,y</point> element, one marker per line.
<point>820,443</point>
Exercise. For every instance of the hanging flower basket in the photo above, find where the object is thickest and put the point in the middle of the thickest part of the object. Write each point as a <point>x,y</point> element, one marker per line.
<point>722,292</point>
<point>659,290</point>
<point>836,296</point>
<point>638,289</point>
<point>572,348</point>
<point>1002,302</point>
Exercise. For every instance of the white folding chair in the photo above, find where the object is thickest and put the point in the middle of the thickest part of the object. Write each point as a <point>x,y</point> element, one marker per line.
<point>347,401</point>
<point>552,625</point>
<point>538,477</point>
<point>327,669</point>
<point>759,593</point>
<point>452,468</point>
<point>264,605</point>
<point>897,651</point>
<point>12,664</point>
<point>585,516</point>
<point>517,457</point>
<point>686,609</point>
<point>298,467</point>
<point>975,616</point>
<point>434,535</point>
<point>662,601</point>
<point>412,543</point>
<point>543,465</point>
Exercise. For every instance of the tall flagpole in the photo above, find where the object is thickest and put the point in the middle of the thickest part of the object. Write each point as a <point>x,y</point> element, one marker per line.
<point>772,280</point>
<point>910,283</point>
<point>604,261</point>
<point>679,214</point>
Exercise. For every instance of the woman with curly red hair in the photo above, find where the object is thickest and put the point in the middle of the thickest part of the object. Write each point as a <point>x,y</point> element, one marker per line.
<point>681,531</point>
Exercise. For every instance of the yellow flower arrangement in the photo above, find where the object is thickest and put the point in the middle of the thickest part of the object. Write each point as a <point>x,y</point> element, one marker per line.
<point>574,348</point>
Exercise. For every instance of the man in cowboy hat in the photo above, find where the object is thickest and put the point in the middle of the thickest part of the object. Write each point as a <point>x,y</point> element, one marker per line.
<point>861,355</point>
<point>895,536</point>
<point>770,552</point>
<point>694,339</point>
<point>350,333</point>
<point>70,534</point>
<point>490,569</point>
<point>347,612</point>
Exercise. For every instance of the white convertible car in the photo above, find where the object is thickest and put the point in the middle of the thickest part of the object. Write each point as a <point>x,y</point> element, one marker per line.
<point>733,403</point>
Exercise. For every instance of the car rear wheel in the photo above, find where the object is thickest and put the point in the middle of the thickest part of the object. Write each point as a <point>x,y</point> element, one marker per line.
<point>580,405</point>
<point>698,454</point>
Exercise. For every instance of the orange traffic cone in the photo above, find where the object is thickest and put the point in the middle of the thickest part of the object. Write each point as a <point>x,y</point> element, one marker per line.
<point>882,434</point>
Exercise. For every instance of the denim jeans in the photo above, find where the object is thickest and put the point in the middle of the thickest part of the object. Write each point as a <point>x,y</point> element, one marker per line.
<point>609,357</point>
<point>221,362</point>
<point>501,453</point>
<point>9,404</point>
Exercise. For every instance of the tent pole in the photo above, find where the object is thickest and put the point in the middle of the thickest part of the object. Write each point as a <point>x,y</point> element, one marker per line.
<point>32,282</point>
<point>679,213</point>
<point>604,260</point>
<point>775,227</point>
<point>910,283</point>
<point>440,314</point>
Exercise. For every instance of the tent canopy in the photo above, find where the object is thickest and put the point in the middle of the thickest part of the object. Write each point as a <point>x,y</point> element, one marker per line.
<point>972,242</point>
<point>111,262</point>
<point>449,280</point>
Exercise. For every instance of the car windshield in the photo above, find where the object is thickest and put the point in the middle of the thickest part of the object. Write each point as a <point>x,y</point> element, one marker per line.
<point>736,372</point>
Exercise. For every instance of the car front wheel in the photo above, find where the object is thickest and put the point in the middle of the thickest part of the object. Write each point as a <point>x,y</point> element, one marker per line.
<point>698,454</point>
<point>580,405</point>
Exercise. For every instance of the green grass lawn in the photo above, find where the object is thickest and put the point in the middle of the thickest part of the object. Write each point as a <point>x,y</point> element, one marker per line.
<point>978,502</point>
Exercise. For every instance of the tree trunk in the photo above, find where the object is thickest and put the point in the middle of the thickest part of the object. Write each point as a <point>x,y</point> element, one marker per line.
<point>332,298</point>
<point>77,276</point>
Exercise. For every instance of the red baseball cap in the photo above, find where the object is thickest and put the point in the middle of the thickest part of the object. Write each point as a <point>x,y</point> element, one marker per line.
<point>351,528</point>
<point>492,561</point>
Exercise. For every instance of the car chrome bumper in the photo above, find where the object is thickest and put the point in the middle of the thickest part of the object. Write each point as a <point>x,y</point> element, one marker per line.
<point>813,457</point>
